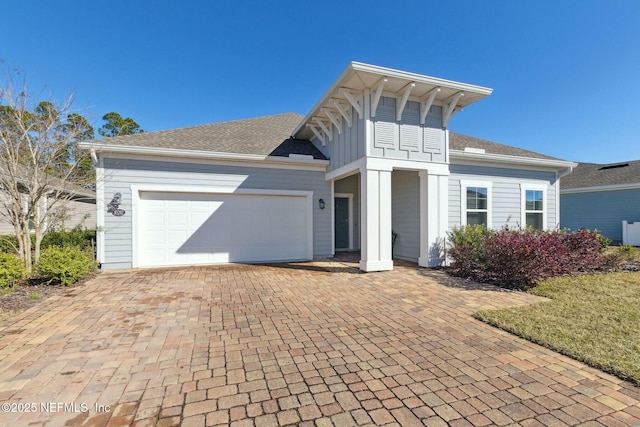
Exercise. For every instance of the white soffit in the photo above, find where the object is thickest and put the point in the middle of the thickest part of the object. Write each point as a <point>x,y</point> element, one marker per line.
<point>358,77</point>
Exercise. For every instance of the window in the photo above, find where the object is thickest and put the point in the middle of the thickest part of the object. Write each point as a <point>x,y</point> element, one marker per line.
<point>476,203</point>
<point>533,207</point>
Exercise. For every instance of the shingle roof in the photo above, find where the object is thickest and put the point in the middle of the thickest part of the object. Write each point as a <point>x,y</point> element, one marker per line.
<point>268,135</point>
<point>271,136</point>
<point>596,175</point>
<point>460,142</point>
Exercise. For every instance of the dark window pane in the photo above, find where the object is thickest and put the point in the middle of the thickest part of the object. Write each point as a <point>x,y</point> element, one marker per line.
<point>475,218</point>
<point>534,200</point>
<point>534,220</point>
<point>476,198</point>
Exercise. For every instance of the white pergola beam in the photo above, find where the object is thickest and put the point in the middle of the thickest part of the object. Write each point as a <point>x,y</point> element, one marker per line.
<point>353,102</point>
<point>427,102</point>
<point>377,95</point>
<point>403,101</point>
<point>335,120</point>
<point>343,111</point>
<point>317,134</point>
<point>450,107</point>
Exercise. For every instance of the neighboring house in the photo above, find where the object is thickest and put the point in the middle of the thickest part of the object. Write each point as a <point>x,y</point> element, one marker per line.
<point>75,206</point>
<point>373,157</point>
<point>76,210</point>
<point>601,196</point>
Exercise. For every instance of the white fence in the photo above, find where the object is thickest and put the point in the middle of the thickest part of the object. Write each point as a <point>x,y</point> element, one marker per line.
<point>631,233</point>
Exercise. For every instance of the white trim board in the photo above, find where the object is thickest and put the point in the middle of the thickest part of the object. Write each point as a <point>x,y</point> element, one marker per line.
<point>613,187</point>
<point>321,166</point>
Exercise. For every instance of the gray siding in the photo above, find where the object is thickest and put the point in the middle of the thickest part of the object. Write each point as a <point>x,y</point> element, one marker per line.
<point>405,214</point>
<point>345,147</point>
<point>601,210</point>
<point>351,185</point>
<point>407,139</point>
<point>506,193</point>
<point>120,174</point>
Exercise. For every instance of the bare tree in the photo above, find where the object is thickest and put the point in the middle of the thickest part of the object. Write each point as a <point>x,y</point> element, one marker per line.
<point>39,165</point>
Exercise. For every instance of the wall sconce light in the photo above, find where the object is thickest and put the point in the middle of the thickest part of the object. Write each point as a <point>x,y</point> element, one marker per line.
<point>321,203</point>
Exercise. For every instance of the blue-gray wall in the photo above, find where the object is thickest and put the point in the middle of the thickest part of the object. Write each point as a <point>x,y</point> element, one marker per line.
<point>601,210</point>
<point>120,174</point>
<point>405,214</point>
<point>506,192</point>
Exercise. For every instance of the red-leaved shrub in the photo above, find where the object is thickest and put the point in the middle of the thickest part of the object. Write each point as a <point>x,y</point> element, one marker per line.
<point>517,258</point>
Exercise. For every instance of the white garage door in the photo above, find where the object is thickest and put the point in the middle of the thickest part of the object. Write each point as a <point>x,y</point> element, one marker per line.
<point>194,228</point>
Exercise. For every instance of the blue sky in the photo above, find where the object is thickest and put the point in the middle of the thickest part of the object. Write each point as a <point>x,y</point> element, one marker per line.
<point>565,74</point>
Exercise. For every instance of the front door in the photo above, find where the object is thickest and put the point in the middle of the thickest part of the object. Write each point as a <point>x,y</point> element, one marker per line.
<point>341,212</point>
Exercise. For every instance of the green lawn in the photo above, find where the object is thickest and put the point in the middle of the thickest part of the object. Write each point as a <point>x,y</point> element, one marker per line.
<point>595,319</point>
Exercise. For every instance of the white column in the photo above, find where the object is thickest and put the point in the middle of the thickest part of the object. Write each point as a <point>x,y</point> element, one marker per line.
<point>384,222</point>
<point>423,260</point>
<point>443,218</point>
<point>376,220</point>
<point>434,212</point>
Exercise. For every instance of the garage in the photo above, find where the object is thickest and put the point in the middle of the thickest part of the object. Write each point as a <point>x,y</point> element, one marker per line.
<point>188,228</point>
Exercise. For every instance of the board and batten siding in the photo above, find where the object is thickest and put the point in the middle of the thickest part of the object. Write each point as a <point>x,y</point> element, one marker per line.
<point>405,214</point>
<point>347,145</point>
<point>121,174</point>
<point>601,210</point>
<point>505,193</point>
<point>408,139</point>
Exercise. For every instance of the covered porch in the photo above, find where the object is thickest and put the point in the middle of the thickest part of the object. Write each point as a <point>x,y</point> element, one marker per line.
<point>391,211</point>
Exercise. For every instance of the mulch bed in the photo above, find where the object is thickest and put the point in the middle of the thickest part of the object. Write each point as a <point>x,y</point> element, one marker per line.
<point>18,300</point>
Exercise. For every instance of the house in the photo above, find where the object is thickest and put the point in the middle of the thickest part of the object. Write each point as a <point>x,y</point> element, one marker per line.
<point>75,207</point>
<point>373,158</point>
<point>601,196</point>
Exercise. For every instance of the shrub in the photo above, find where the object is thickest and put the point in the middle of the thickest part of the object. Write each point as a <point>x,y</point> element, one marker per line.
<point>11,269</point>
<point>75,237</point>
<point>518,258</point>
<point>627,252</point>
<point>8,243</point>
<point>65,264</point>
<point>468,248</point>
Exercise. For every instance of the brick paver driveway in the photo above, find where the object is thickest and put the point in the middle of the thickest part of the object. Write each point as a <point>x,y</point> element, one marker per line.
<point>269,345</point>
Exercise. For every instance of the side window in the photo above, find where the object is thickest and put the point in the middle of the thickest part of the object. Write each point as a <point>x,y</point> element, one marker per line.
<point>534,207</point>
<point>476,203</point>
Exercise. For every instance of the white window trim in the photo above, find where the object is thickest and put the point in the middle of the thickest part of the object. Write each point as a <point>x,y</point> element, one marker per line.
<point>523,203</point>
<point>464,184</point>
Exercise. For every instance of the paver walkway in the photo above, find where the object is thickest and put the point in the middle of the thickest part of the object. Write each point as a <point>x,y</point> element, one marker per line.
<point>269,345</point>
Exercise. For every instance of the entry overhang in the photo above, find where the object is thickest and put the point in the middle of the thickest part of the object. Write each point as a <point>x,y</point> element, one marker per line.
<point>359,78</point>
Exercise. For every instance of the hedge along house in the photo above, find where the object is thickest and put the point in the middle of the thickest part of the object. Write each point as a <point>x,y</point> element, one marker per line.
<point>373,159</point>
